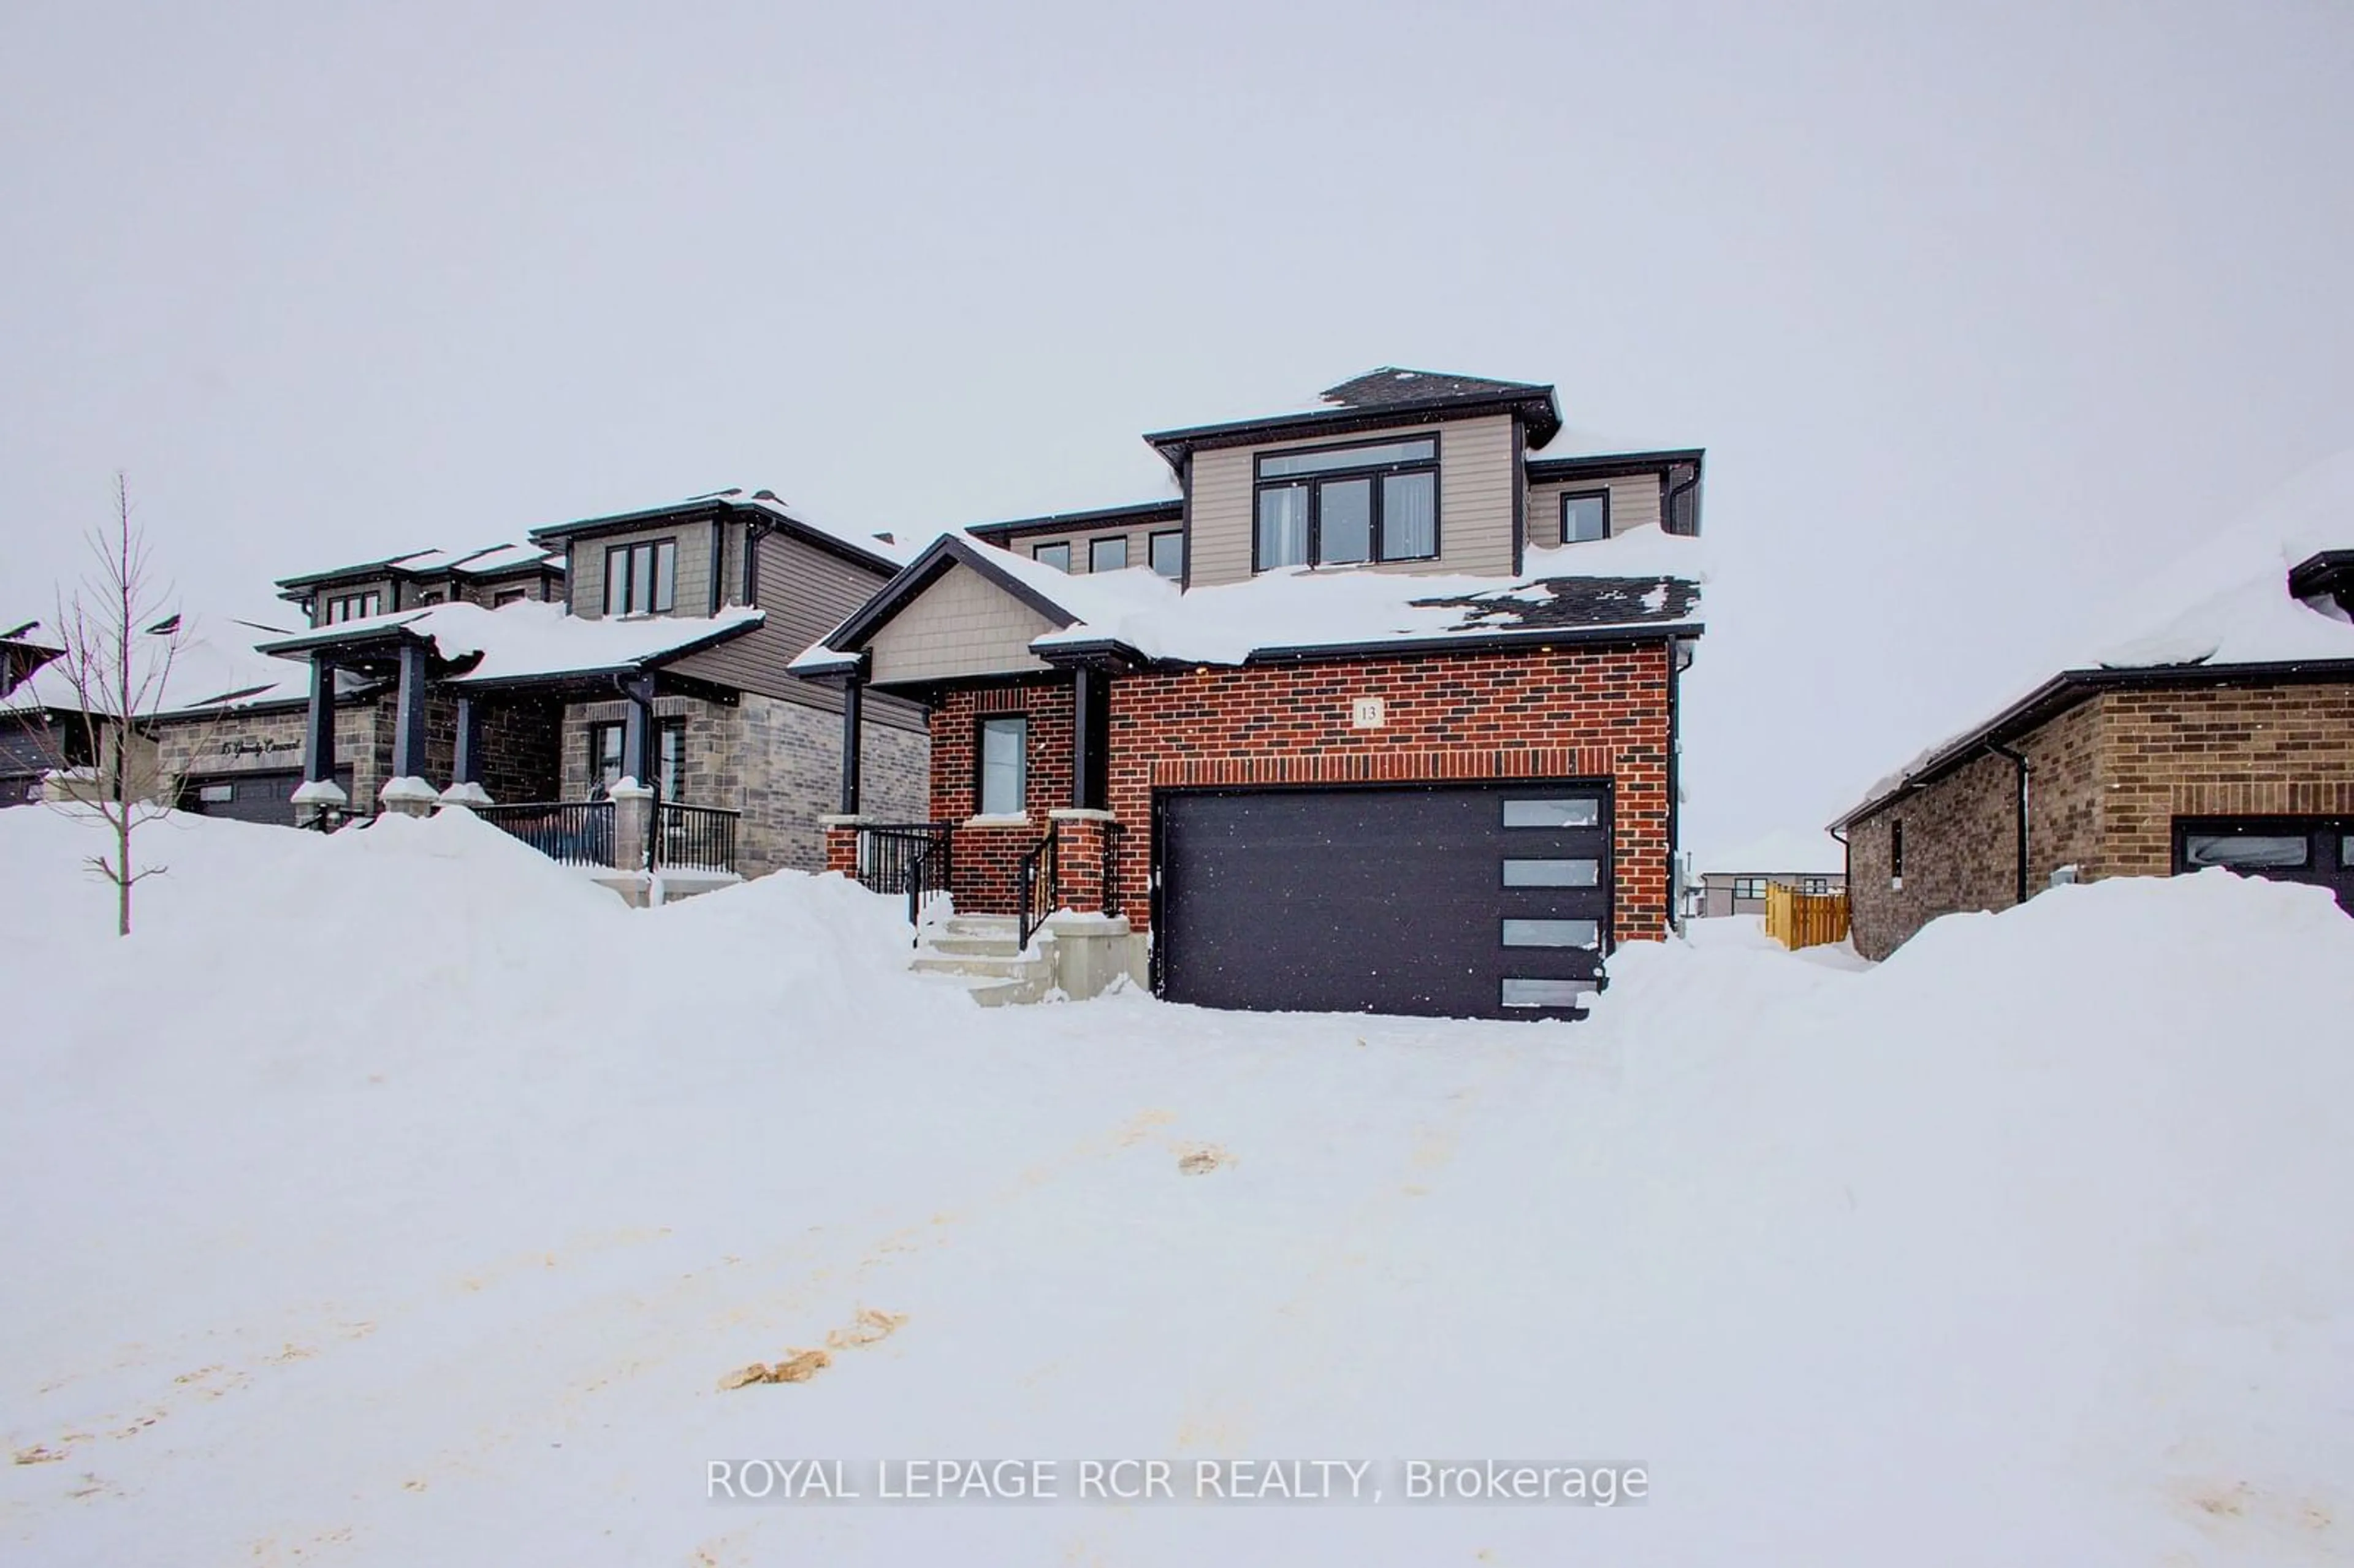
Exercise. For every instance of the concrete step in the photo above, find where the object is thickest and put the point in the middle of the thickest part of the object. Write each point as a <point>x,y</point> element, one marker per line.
<point>976,926</point>
<point>1003,947</point>
<point>1015,966</point>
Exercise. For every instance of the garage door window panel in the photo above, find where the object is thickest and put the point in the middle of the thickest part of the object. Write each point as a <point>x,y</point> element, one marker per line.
<point>1557,811</point>
<point>1553,873</point>
<point>1525,933</point>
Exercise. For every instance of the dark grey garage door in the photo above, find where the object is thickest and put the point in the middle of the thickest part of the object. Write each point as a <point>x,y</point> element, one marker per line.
<point>1470,901</point>
<point>250,797</point>
<point>2319,849</point>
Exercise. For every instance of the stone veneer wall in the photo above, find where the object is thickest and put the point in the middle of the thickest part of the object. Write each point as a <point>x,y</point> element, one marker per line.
<point>270,740</point>
<point>776,763</point>
<point>2105,781</point>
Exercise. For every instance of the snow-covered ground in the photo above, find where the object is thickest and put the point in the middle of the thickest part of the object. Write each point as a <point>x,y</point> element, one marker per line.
<point>397,1199</point>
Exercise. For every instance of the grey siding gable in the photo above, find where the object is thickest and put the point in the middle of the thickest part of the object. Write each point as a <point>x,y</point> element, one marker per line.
<point>1478,480</point>
<point>694,536</point>
<point>963,625</point>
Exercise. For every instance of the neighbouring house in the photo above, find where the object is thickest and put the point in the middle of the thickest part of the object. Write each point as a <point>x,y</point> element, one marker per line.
<point>2216,730</point>
<point>614,693</point>
<point>42,725</point>
<point>1735,882</point>
<point>1379,715</point>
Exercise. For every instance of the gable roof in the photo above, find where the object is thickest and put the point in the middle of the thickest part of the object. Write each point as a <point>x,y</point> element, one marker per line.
<point>1389,395</point>
<point>877,551</point>
<point>1643,585</point>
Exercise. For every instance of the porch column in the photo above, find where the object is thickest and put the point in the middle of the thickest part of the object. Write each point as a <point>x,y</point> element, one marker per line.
<point>466,767</point>
<point>405,791</point>
<point>1090,739</point>
<point>408,721</point>
<point>319,735</point>
<point>319,796</point>
<point>853,693</point>
<point>638,730</point>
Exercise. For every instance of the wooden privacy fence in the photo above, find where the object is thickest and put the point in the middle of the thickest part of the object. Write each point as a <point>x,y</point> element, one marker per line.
<point>1798,919</point>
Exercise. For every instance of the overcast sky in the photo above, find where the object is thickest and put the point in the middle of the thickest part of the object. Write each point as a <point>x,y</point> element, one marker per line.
<point>1974,307</point>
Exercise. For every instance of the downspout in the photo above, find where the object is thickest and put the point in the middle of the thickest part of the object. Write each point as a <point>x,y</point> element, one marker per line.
<point>1668,507</point>
<point>2018,763</point>
<point>1680,658</point>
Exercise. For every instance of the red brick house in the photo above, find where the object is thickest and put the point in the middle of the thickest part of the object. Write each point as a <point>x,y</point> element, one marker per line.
<point>1379,715</point>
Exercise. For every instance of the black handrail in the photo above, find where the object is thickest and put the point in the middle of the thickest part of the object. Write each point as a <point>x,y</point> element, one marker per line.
<point>1039,874</point>
<point>912,858</point>
<point>573,833</point>
<point>695,838</point>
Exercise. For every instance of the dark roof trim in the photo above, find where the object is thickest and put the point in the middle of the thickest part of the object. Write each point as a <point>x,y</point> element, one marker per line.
<point>2330,572</point>
<point>1603,465</point>
<point>390,566</point>
<point>1171,509</point>
<point>1108,651</point>
<point>760,507</point>
<point>1535,405</point>
<point>944,553</point>
<point>327,639</point>
<point>2072,687</point>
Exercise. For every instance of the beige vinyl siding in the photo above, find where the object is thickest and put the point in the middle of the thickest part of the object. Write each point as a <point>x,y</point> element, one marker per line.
<point>1477,481</point>
<point>1140,545</point>
<point>962,625</point>
<point>807,593</point>
<point>694,536</point>
<point>1634,504</point>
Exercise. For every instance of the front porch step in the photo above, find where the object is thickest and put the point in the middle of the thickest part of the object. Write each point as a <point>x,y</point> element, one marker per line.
<point>983,953</point>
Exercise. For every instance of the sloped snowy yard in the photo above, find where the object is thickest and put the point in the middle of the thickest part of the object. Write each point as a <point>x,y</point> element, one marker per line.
<point>397,1199</point>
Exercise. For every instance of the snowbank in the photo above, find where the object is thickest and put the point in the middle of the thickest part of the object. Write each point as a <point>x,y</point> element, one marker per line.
<point>394,1198</point>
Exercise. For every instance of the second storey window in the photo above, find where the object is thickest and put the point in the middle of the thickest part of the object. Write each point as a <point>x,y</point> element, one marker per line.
<point>641,580</point>
<point>1169,553</point>
<point>1108,554</point>
<point>1005,765</point>
<point>1055,555</point>
<point>1338,505</point>
<point>1585,516</point>
<point>352,607</point>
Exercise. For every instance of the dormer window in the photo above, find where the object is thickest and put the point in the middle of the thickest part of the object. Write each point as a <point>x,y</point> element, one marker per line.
<point>1585,516</point>
<point>1376,501</point>
<point>642,578</point>
<point>345,607</point>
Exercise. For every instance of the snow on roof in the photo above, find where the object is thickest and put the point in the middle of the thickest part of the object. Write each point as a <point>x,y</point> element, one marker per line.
<point>479,562</point>
<point>1641,579</point>
<point>213,665</point>
<point>2225,603</point>
<point>1783,850</point>
<point>891,550</point>
<point>530,640</point>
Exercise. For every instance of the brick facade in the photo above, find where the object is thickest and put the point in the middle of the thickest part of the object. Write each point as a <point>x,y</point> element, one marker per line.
<point>2106,779</point>
<point>1585,710</point>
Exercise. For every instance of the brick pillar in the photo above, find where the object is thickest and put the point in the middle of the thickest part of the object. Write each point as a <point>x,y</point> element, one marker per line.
<point>1079,836</point>
<point>841,844</point>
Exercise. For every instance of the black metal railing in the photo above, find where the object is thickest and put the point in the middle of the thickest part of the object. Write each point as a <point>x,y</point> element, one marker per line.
<point>1111,868</point>
<point>694,838</point>
<point>574,832</point>
<point>909,858</point>
<point>1039,873</point>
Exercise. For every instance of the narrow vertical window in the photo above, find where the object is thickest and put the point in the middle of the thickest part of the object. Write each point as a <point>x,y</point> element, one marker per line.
<point>1283,527</point>
<point>1896,848</point>
<point>1169,553</point>
<point>1410,516</point>
<point>1347,525</point>
<point>1005,765</point>
<point>604,758</point>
